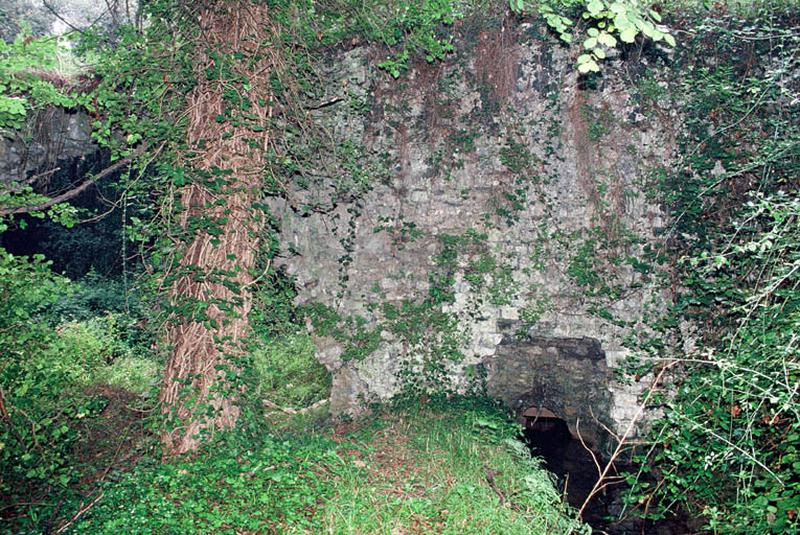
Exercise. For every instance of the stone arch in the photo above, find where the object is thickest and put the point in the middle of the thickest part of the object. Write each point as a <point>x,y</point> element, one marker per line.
<point>565,378</point>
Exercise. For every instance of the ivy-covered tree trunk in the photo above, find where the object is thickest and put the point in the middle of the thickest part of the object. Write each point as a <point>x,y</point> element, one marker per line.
<point>225,156</point>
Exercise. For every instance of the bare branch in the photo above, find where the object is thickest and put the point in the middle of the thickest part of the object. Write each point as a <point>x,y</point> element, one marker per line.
<point>16,186</point>
<point>67,195</point>
<point>57,15</point>
<point>587,448</point>
<point>602,480</point>
<point>292,411</point>
<point>80,512</point>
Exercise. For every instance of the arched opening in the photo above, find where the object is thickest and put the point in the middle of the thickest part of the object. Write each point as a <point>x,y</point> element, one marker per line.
<point>547,436</point>
<point>571,460</point>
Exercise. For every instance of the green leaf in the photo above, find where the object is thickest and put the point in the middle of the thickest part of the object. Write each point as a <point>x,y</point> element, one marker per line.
<point>589,66</point>
<point>628,35</point>
<point>647,28</point>
<point>670,40</point>
<point>618,7</point>
<point>607,39</point>
<point>622,22</point>
<point>595,7</point>
<point>590,43</point>
<point>592,32</point>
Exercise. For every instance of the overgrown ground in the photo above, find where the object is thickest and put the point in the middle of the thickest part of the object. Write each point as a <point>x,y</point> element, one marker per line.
<point>446,469</point>
<point>79,450</point>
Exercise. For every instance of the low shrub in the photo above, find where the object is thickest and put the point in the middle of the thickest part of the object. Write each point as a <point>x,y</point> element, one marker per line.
<point>287,372</point>
<point>47,400</point>
<point>135,374</point>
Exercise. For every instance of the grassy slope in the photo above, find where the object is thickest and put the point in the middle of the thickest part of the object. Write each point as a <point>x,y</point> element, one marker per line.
<point>426,471</point>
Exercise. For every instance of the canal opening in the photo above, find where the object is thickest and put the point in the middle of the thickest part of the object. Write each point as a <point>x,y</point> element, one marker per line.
<point>575,462</point>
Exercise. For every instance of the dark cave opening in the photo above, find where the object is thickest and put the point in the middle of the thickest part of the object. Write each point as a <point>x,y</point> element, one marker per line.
<point>549,437</point>
<point>573,462</point>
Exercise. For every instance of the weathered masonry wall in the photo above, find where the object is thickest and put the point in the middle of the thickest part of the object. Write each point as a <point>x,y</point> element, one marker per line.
<point>503,243</point>
<point>52,138</point>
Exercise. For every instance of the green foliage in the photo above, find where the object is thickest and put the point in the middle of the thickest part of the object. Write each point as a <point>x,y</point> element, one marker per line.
<point>533,311</point>
<point>360,340</point>
<point>427,467</point>
<point>288,372</point>
<point>139,375</point>
<point>273,313</point>
<point>516,157</point>
<point>24,68</point>
<point>40,389</point>
<point>598,122</point>
<point>129,97</point>
<point>268,486</point>
<point>401,231</point>
<point>45,375</point>
<point>33,76</point>
<point>12,112</point>
<point>143,79</point>
<point>503,288</point>
<point>582,266</point>
<point>403,470</point>
<point>421,22</point>
<point>727,446</point>
<point>734,424</point>
<point>95,295</point>
<point>406,28</point>
<point>89,344</point>
<point>518,160</point>
<point>608,22</point>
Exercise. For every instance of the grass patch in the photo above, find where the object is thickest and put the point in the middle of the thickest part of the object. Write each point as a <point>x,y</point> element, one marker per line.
<point>450,469</point>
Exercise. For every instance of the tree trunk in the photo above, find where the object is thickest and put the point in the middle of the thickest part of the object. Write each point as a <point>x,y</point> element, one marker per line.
<point>227,138</point>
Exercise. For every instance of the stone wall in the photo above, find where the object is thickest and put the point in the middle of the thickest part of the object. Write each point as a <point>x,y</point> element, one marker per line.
<point>498,179</point>
<point>52,136</point>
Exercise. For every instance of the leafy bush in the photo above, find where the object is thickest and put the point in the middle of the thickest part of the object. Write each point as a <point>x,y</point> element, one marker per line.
<point>270,486</point>
<point>39,387</point>
<point>732,432</point>
<point>406,28</point>
<point>288,373</point>
<point>136,374</point>
<point>20,63</point>
<point>91,296</point>
<point>728,445</point>
<point>45,377</point>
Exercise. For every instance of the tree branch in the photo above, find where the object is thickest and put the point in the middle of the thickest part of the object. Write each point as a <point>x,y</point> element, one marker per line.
<point>56,14</point>
<point>14,187</point>
<point>4,211</point>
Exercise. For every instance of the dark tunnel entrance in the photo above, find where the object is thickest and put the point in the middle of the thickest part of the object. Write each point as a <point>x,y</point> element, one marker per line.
<point>549,437</point>
<point>572,461</point>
